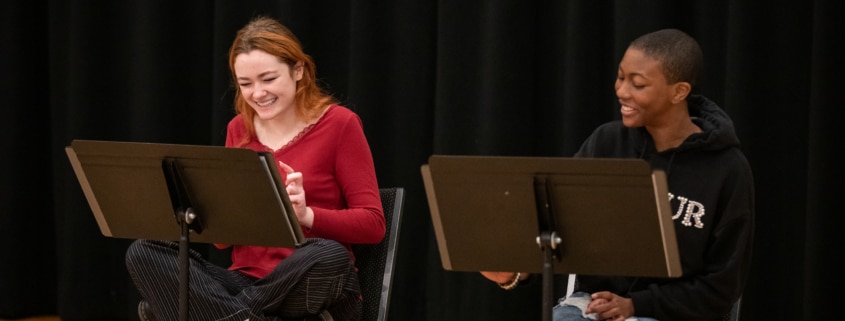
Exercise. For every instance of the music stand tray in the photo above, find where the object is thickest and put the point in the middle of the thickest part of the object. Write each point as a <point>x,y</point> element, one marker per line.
<point>184,193</point>
<point>237,194</point>
<point>612,215</point>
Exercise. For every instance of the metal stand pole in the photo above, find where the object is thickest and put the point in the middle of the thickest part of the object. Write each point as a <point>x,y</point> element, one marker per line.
<point>186,218</point>
<point>548,242</point>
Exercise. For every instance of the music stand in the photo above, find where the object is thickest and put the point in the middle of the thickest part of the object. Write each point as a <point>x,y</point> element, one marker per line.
<point>168,191</point>
<point>586,215</point>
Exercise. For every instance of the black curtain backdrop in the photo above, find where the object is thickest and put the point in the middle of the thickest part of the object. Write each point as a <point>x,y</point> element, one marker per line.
<point>505,77</point>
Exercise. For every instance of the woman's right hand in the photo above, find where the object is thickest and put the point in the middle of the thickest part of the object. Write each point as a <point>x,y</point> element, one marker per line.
<point>296,194</point>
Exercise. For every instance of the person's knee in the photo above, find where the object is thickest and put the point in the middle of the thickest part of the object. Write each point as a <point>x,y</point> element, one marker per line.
<point>334,246</point>
<point>134,253</point>
<point>138,252</point>
<point>325,255</point>
<point>327,247</point>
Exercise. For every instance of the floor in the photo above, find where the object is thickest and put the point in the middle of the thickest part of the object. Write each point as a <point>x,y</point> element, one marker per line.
<point>45,318</point>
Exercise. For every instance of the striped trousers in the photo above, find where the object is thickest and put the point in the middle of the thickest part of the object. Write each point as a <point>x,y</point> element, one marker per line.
<point>318,276</point>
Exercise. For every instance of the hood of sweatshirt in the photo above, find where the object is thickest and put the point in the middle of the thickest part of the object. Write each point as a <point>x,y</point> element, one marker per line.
<point>717,129</point>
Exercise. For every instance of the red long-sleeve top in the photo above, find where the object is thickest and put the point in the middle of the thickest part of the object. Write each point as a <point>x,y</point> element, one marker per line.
<point>339,181</point>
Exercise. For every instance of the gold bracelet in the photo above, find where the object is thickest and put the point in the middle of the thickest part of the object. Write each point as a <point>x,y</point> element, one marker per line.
<point>512,284</point>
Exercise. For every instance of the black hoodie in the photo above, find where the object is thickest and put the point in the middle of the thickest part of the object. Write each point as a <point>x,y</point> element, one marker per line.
<point>712,197</point>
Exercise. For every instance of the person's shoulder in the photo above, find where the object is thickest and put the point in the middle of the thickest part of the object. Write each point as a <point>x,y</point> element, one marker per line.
<point>611,127</point>
<point>236,122</point>
<point>340,111</point>
<point>237,119</point>
<point>734,158</point>
<point>607,140</point>
<point>236,129</point>
<point>613,124</point>
<point>340,114</point>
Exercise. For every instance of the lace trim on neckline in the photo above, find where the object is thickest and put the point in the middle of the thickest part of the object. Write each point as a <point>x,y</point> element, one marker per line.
<point>295,138</point>
<point>299,135</point>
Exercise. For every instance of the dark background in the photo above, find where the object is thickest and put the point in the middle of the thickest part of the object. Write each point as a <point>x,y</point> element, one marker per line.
<point>507,77</point>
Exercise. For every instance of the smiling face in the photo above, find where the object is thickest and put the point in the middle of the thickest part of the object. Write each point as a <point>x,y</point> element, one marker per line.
<point>643,91</point>
<point>267,84</point>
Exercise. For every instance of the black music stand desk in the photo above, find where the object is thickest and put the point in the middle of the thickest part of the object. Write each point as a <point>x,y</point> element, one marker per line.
<point>551,215</point>
<point>208,194</point>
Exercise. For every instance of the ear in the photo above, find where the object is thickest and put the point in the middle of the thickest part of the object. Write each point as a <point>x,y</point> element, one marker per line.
<point>680,91</point>
<point>298,70</point>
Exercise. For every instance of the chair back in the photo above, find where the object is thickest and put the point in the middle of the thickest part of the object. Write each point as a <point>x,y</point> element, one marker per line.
<point>734,314</point>
<point>375,261</point>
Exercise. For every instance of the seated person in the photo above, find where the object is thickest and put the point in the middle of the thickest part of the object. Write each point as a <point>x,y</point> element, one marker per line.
<point>331,181</point>
<point>711,190</point>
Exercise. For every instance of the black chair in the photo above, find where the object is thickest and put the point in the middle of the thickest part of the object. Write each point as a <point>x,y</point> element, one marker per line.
<point>734,314</point>
<point>375,261</point>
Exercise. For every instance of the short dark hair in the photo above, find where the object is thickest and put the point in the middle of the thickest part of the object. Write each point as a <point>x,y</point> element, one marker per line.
<point>679,54</point>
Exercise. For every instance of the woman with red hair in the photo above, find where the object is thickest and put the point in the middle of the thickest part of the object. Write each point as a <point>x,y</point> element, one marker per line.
<point>330,180</point>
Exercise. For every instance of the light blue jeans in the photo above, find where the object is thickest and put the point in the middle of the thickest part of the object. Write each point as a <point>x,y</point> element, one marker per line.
<point>572,309</point>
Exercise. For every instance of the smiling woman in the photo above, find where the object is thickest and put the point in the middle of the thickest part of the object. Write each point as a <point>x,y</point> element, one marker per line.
<point>330,181</point>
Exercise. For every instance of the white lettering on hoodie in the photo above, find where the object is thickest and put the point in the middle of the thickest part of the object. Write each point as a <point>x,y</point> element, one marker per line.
<point>690,209</point>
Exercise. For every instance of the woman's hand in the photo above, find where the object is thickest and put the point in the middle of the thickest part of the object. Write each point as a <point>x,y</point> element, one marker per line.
<point>296,194</point>
<point>609,306</point>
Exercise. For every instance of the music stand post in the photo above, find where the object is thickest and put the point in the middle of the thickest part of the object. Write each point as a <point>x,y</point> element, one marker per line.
<point>559,204</point>
<point>187,219</point>
<point>548,241</point>
<point>184,263</point>
<point>135,189</point>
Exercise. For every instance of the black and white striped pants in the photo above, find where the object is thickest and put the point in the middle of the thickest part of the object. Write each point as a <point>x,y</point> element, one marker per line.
<point>317,276</point>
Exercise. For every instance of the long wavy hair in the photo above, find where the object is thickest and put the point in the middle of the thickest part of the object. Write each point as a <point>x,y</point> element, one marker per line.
<point>268,35</point>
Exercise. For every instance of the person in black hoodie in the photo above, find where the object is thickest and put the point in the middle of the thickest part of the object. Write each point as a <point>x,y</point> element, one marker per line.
<point>711,190</point>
